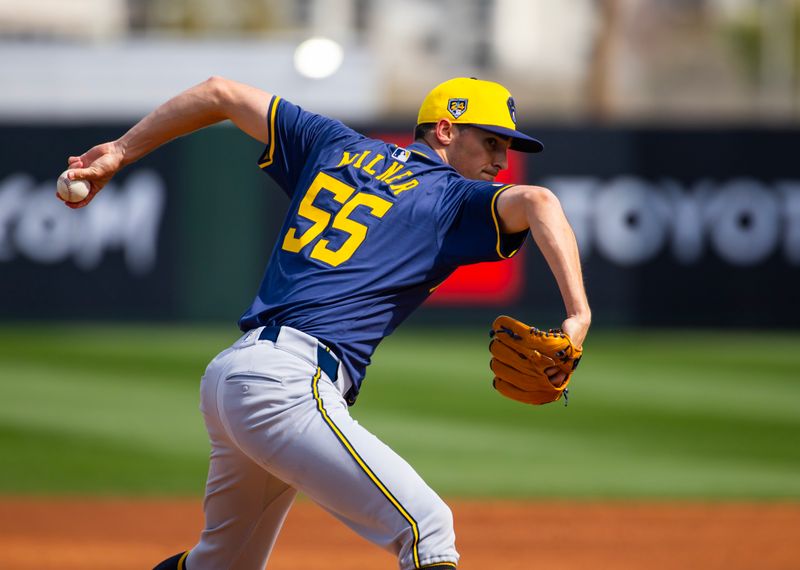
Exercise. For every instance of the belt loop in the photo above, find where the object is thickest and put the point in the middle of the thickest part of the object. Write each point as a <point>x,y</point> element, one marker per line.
<point>327,362</point>
<point>269,333</point>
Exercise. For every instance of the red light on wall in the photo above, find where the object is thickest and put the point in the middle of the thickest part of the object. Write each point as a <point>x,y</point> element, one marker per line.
<point>496,283</point>
<point>484,284</point>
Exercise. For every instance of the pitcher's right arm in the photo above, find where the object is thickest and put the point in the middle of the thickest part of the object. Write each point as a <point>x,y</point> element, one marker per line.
<point>210,102</point>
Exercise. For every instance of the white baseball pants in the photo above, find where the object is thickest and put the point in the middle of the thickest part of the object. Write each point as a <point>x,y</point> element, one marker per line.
<point>278,424</point>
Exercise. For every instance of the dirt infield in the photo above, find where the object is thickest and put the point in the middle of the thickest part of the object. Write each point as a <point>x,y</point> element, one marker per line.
<point>133,535</point>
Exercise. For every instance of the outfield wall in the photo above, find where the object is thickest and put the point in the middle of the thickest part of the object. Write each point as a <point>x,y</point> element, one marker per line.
<point>676,227</point>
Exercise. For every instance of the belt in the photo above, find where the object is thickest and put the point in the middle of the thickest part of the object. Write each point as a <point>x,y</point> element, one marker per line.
<point>327,362</point>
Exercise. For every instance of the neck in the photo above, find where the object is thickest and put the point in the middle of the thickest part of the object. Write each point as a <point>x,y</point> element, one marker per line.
<point>436,147</point>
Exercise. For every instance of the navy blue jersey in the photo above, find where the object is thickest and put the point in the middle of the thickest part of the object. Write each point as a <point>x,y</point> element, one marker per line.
<point>371,231</point>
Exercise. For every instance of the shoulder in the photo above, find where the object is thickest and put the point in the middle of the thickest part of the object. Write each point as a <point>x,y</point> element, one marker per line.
<point>515,202</point>
<point>460,187</point>
<point>519,194</point>
<point>296,119</point>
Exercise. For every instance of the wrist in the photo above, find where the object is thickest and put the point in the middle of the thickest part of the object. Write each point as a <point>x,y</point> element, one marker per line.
<point>120,147</point>
<point>583,315</point>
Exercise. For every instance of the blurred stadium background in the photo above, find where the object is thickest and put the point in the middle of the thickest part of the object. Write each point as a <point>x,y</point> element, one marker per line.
<point>672,130</point>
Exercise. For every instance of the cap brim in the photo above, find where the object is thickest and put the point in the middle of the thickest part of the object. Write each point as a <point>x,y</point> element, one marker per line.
<point>519,141</point>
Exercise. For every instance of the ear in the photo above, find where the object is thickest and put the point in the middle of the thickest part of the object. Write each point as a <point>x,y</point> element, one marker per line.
<point>444,132</point>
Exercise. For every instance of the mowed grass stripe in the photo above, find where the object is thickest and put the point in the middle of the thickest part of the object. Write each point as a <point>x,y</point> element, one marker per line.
<point>652,414</point>
<point>650,370</point>
<point>43,461</point>
<point>166,353</point>
<point>485,460</point>
<point>162,418</point>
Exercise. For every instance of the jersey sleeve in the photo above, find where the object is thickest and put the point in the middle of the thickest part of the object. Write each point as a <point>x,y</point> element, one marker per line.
<point>295,139</point>
<point>469,219</point>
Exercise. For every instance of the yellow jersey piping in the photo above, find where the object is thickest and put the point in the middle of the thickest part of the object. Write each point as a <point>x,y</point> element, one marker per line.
<point>497,222</point>
<point>269,152</point>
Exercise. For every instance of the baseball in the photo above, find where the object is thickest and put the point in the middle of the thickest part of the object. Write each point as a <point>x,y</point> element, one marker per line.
<point>71,190</point>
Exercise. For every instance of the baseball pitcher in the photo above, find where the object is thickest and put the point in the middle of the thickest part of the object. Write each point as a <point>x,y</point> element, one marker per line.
<point>371,231</point>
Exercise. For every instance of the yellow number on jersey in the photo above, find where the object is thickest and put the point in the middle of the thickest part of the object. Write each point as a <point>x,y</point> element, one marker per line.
<point>342,222</point>
<point>377,207</point>
<point>308,210</point>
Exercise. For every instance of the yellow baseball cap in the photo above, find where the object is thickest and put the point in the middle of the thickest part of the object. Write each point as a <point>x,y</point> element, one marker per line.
<point>483,104</point>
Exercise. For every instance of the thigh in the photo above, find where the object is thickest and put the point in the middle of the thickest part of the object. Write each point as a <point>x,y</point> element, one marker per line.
<point>245,508</point>
<point>318,448</point>
<point>245,505</point>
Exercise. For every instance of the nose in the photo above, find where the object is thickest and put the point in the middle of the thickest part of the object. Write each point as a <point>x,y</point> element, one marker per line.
<point>501,159</point>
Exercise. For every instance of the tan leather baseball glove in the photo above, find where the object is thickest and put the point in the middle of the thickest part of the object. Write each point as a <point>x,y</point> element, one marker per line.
<point>520,356</point>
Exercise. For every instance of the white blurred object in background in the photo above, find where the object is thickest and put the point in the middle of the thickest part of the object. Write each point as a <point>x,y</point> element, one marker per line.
<point>318,58</point>
<point>70,19</point>
<point>125,80</point>
<point>654,60</point>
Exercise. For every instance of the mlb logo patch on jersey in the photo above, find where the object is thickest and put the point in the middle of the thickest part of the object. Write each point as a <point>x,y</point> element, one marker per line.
<point>457,107</point>
<point>401,154</point>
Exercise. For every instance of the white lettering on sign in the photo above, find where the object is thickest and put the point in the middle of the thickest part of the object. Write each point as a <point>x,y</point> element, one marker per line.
<point>35,225</point>
<point>630,221</point>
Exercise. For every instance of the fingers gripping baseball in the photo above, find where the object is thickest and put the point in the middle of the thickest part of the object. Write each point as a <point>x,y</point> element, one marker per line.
<point>96,167</point>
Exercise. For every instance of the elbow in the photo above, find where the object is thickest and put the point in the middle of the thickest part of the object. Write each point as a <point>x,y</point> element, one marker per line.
<point>538,198</point>
<point>216,82</point>
<point>218,89</point>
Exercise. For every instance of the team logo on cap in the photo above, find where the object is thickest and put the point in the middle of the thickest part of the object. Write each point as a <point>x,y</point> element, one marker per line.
<point>512,109</point>
<point>457,107</point>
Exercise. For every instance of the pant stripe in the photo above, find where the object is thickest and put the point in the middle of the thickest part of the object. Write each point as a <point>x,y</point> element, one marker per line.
<point>364,467</point>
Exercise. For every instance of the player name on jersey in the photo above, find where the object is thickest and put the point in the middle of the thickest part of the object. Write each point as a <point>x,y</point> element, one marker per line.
<point>390,175</point>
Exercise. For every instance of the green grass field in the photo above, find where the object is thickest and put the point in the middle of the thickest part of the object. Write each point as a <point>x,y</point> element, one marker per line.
<point>112,409</point>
